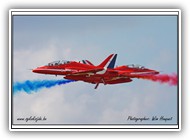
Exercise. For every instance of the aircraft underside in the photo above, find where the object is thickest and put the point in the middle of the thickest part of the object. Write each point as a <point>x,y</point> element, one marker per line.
<point>99,79</point>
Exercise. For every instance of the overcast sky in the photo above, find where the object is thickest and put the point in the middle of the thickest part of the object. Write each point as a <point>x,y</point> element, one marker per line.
<point>150,41</point>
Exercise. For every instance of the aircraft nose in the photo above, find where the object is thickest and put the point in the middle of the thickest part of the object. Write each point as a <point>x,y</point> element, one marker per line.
<point>156,72</point>
<point>39,69</point>
<point>35,70</point>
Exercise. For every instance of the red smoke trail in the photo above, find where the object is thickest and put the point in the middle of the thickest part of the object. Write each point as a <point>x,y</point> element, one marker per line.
<point>171,79</point>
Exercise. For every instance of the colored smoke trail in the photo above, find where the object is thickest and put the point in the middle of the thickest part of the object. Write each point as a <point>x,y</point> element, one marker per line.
<point>171,79</point>
<point>30,86</point>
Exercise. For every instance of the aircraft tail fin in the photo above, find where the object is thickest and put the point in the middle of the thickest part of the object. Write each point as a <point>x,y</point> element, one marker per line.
<point>109,62</point>
<point>112,63</point>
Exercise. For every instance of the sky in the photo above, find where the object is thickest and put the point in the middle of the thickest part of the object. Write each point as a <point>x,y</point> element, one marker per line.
<point>150,41</point>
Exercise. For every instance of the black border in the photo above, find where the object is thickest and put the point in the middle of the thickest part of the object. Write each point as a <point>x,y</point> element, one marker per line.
<point>107,10</point>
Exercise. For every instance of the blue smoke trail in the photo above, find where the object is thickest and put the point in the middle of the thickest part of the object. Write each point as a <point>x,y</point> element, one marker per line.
<point>30,86</point>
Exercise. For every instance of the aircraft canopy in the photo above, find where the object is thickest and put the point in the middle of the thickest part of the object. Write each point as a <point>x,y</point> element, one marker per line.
<point>136,66</point>
<point>60,62</point>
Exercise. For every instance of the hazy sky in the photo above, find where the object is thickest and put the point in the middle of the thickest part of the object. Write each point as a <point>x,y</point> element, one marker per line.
<point>150,41</point>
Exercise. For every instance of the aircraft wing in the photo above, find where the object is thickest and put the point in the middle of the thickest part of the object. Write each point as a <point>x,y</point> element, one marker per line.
<point>135,74</point>
<point>89,71</point>
<point>121,73</point>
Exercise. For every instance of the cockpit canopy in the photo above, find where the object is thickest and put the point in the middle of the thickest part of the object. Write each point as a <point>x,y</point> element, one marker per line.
<point>136,66</point>
<point>60,62</point>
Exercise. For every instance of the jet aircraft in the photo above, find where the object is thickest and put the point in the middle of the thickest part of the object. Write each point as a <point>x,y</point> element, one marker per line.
<point>105,72</point>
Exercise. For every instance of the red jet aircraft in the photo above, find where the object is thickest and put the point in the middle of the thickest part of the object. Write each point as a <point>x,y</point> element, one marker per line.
<point>104,73</point>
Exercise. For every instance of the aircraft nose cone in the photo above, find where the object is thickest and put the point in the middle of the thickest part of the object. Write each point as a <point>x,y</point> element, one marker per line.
<point>35,70</point>
<point>156,72</point>
<point>39,70</point>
